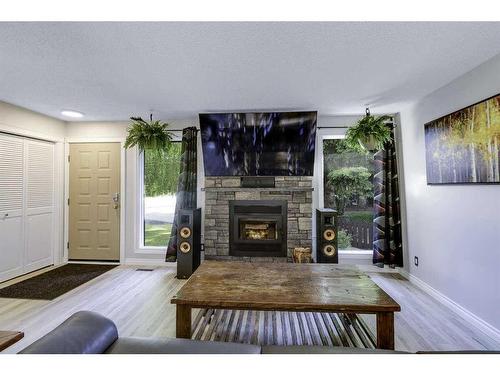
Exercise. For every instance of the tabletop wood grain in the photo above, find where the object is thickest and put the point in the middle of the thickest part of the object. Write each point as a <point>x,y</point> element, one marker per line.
<point>8,338</point>
<point>283,286</point>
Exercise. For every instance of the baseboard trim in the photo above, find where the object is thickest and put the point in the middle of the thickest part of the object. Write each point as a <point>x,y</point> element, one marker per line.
<point>467,315</point>
<point>84,261</point>
<point>148,262</point>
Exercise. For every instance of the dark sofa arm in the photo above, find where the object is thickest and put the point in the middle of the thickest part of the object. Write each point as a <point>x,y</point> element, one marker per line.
<point>84,332</point>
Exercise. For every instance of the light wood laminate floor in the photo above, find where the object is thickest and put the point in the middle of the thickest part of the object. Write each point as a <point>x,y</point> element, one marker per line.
<point>139,303</point>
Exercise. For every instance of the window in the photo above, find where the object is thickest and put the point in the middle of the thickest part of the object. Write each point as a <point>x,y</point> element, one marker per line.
<point>348,187</point>
<point>160,177</point>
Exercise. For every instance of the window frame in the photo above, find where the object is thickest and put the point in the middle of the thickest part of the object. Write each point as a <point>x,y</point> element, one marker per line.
<point>325,133</point>
<point>140,205</point>
<point>336,133</point>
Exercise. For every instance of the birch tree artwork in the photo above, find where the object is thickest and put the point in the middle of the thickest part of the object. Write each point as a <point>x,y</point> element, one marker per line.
<point>463,147</point>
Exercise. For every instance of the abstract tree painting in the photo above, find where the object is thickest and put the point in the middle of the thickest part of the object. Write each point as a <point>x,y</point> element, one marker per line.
<point>463,147</point>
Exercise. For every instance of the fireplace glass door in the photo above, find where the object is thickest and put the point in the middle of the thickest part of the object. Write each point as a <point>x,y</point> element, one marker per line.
<point>258,230</point>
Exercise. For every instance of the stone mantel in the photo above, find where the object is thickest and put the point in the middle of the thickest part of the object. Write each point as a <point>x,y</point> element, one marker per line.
<point>260,189</point>
<point>297,191</point>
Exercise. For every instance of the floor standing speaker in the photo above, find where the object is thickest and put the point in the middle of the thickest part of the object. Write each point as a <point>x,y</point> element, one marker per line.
<point>188,242</point>
<point>326,236</point>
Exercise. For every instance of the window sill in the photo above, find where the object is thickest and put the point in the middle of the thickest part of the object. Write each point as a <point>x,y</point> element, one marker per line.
<point>356,253</point>
<point>153,250</point>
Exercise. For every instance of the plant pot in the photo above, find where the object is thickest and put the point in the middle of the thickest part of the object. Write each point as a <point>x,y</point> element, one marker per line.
<point>368,143</point>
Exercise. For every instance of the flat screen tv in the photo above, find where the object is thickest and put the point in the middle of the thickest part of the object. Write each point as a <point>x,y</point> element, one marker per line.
<point>258,144</point>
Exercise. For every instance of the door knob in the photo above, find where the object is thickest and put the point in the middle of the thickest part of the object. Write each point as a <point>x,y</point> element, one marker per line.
<point>116,200</point>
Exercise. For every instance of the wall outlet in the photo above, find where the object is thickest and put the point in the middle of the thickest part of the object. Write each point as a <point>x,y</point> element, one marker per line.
<point>415,261</point>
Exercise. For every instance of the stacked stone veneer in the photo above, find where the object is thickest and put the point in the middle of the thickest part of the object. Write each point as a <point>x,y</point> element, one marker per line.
<point>297,191</point>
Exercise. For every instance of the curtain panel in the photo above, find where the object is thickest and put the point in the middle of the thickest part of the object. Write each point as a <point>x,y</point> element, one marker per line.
<point>387,239</point>
<point>186,188</point>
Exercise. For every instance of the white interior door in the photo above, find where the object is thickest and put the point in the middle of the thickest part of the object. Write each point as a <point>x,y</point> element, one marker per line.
<point>26,205</point>
<point>11,206</point>
<point>39,218</point>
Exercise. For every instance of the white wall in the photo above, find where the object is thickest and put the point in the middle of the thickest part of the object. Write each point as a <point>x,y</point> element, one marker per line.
<point>453,229</point>
<point>21,121</point>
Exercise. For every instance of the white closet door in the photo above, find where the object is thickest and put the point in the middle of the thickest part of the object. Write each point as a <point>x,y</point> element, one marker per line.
<point>11,206</point>
<point>39,219</point>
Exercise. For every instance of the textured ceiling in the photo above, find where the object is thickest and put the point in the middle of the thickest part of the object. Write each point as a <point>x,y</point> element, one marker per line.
<point>110,71</point>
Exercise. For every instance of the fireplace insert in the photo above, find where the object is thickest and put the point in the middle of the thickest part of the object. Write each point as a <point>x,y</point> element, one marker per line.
<point>258,228</point>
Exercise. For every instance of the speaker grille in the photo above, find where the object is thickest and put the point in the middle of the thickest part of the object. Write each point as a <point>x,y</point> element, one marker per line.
<point>185,247</point>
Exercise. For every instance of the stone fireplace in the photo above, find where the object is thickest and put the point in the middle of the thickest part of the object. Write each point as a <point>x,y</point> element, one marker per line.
<point>257,224</point>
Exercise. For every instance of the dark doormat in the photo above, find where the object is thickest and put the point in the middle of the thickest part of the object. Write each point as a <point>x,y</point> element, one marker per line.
<point>52,284</point>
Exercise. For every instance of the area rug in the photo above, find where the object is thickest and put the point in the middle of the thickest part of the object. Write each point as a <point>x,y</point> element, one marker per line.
<point>282,328</point>
<point>52,284</point>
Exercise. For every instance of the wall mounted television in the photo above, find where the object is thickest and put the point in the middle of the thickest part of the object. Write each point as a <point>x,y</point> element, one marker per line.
<point>258,143</point>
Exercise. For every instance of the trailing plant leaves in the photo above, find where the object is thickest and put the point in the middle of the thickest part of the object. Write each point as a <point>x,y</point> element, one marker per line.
<point>369,127</point>
<point>151,135</point>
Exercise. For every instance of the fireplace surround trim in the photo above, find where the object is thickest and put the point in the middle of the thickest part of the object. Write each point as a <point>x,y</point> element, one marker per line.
<point>255,210</point>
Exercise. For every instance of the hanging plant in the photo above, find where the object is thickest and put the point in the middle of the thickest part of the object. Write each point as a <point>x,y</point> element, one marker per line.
<point>152,135</point>
<point>369,134</point>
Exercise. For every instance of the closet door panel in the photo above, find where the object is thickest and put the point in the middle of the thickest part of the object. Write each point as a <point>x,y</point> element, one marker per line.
<point>11,206</point>
<point>39,241</point>
<point>11,247</point>
<point>39,158</point>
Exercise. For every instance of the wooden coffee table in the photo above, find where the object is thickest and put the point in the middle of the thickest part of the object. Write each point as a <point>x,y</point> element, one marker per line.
<point>8,338</point>
<point>285,287</point>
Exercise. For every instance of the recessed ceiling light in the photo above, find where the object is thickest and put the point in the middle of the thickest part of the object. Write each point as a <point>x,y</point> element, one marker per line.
<point>73,114</point>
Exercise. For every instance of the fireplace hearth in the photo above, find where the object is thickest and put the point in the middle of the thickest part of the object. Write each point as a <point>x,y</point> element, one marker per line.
<point>258,228</point>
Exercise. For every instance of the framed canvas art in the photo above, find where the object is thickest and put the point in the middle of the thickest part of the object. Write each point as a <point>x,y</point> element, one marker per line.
<point>464,146</point>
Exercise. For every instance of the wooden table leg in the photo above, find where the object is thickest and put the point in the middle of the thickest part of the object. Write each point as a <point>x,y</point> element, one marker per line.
<point>385,330</point>
<point>183,322</point>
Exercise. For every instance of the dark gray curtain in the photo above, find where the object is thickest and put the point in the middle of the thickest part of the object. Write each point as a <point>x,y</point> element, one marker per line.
<point>387,242</point>
<point>186,188</point>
